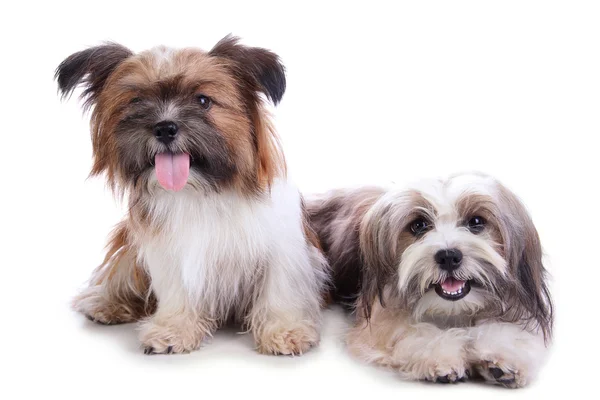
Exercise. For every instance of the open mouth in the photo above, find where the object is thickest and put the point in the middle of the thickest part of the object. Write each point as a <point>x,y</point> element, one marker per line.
<point>452,289</point>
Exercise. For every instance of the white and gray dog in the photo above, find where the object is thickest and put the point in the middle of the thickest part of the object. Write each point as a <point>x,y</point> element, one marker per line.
<point>446,277</point>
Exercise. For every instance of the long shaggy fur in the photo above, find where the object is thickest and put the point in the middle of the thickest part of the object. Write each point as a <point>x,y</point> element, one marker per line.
<point>389,273</point>
<point>233,244</point>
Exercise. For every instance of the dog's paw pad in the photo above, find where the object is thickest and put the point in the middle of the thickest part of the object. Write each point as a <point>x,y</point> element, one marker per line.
<point>496,372</point>
<point>149,350</point>
<point>500,374</point>
<point>450,378</point>
<point>512,382</point>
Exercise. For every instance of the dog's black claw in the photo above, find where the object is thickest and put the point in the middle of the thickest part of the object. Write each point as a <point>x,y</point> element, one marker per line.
<point>442,379</point>
<point>462,379</point>
<point>149,350</point>
<point>170,350</point>
<point>468,373</point>
<point>496,372</point>
<point>90,317</point>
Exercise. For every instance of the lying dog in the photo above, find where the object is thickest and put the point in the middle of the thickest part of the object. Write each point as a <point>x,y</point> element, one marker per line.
<point>446,277</point>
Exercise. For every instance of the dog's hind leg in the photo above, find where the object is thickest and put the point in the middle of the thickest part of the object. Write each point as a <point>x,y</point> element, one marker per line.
<point>119,289</point>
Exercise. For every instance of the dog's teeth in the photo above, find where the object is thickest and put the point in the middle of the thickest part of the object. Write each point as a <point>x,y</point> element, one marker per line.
<point>455,293</point>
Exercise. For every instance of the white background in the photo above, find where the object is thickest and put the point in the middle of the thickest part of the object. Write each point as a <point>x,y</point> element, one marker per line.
<point>377,93</point>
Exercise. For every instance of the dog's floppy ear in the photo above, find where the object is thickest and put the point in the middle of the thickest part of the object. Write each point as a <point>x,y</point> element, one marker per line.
<point>531,301</point>
<point>257,70</point>
<point>90,68</point>
<point>379,235</point>
<point>262,67</point>
<point>384,238</point>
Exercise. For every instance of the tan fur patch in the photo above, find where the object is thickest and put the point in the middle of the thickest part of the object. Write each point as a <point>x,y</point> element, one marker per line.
<point>119,289</point>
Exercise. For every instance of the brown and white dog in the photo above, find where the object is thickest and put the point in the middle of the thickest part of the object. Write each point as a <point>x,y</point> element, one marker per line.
<point>447,278</point>
<point>215,231</point>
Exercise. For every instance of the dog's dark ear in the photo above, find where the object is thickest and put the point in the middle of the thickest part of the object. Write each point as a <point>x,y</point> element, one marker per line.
<point>534,294</point>
<point>262,67</point>
<point>90,68</point>
<point>530,302</point>
<point>379,250</point>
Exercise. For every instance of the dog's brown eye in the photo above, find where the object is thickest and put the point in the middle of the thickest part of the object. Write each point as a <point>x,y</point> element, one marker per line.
<point>476,224</point>
<point>204,101</point>
<point>419,226</point>
<point>135,100</point>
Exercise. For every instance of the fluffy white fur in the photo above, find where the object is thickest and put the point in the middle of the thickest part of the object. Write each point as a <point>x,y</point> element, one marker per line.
<point>228,253</point>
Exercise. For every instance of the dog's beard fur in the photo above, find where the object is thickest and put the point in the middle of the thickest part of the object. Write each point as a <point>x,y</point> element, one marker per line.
<point>482,266</point>
<point>366,234</point>
<point>233,242</point>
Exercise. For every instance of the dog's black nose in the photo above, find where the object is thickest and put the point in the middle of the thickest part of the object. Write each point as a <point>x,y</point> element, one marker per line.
<point>449,259</point>
<point>165,131</point>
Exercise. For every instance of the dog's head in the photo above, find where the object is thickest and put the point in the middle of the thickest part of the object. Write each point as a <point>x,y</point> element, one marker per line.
<point>465,246</point>
<point>180,118</point>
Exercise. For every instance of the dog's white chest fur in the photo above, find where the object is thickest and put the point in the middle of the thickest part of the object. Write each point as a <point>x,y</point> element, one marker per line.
<point>215,246</point>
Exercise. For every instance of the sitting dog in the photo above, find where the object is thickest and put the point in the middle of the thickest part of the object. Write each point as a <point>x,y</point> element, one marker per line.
<point>215,232</point>
<point>446,277</point>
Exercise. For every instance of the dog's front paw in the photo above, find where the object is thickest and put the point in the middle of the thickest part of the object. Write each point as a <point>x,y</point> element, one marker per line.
<point>453,377</point>
<point>499,373</point>
<point>287,340</point>
<point>447,373</point>
<point>169,338</point>
<point>438,370</point>
<point>98,307</point>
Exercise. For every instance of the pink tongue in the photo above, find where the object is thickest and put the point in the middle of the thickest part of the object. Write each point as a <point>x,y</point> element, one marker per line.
<point>452,285</point>
<point>172,170</point>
